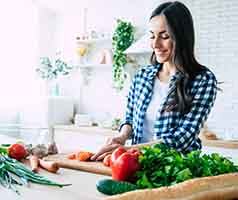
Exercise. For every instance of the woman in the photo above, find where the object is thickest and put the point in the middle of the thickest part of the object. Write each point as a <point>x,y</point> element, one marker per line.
<point>169,100</point>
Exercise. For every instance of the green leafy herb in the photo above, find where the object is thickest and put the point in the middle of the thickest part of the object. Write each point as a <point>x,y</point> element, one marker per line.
<point>163,166</point>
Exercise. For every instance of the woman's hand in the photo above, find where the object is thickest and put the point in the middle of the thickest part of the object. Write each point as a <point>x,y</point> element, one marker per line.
<point>117,140</point>
<point>111,144</point>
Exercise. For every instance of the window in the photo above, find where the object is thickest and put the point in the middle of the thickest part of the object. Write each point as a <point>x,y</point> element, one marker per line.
<point>18,49</point>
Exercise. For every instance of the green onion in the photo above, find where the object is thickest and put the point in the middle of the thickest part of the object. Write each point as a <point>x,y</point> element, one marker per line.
<point>10,167</point>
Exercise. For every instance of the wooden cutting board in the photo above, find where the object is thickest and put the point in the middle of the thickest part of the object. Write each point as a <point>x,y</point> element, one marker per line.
<point>216,142</point>
<point>90,166</point>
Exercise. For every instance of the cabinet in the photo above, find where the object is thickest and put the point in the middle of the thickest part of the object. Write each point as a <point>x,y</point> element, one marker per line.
<point>71,138</point>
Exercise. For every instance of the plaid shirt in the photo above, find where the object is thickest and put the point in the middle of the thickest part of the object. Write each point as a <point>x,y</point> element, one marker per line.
<point>177,130</point>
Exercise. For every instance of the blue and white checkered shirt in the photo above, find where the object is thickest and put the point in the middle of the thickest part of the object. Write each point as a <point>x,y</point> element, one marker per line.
<point>177,130</point>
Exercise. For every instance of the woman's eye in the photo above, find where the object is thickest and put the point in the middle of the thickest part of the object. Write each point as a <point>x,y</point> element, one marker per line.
<point>164,36</point>
<point>152,36</point>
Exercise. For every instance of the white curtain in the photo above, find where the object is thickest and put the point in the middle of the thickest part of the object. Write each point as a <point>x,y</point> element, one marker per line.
<point>18,53</point>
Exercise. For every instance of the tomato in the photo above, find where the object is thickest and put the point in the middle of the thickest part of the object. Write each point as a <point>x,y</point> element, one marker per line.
<point>107,160</point>
<point>125,166</point>
<point>117,152</point>
<point>17,151</point>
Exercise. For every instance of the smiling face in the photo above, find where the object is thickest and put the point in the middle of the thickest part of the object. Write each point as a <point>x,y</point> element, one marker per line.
<point>160,40</point>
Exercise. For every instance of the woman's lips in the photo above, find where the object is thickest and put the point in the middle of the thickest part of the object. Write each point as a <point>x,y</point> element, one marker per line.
<point>160,52</point>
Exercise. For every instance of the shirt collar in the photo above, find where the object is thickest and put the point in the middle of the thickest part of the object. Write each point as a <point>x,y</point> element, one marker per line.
<point>152,73</point>
<point>155,68</point>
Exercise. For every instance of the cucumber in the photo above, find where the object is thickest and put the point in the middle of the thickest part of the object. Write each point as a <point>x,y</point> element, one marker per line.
<point>112,187</point>
<point>5,145</point>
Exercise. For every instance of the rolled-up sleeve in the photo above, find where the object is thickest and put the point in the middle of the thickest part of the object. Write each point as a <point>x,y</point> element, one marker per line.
<point>183,136</point>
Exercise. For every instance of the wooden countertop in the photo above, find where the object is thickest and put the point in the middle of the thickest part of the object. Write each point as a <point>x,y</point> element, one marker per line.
<point>83,185</point>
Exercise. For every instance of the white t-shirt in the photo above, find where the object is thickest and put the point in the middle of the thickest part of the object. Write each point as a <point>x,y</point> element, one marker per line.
<point>160,91</point>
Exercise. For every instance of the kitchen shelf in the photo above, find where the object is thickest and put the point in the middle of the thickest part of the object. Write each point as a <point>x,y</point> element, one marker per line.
<point>93,41</point>
<point>87,69</point>
<point>94,65</point>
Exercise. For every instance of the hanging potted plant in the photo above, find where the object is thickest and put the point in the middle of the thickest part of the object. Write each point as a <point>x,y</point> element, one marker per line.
<point>123,37</point>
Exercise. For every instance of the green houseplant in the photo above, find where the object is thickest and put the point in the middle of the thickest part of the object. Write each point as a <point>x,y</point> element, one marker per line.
<point>50,68</point>
<point>123,37</point>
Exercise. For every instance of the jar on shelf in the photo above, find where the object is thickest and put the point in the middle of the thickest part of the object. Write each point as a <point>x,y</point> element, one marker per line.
<point>82,50</point>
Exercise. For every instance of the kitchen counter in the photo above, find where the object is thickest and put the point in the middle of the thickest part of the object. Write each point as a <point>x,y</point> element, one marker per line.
<point>83,187</point>
<point>83,183</point>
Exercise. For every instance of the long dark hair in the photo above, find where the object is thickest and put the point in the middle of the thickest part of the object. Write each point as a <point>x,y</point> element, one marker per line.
<point>181,30</point>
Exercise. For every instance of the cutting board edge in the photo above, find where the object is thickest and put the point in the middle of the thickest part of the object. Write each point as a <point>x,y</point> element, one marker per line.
<point>63,162</point>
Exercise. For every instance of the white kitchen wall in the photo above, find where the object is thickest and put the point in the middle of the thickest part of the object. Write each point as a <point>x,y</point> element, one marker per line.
<point>48,23</point>
<point>216,25</point>
<point>217,29</point>
<point>18,49</point>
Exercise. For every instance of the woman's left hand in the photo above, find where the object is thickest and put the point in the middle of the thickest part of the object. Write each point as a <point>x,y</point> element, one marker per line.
<point>104,151</point>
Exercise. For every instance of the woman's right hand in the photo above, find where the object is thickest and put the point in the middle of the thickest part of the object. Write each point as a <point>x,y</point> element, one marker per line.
<point>121,139</point>
<point>111,144</point>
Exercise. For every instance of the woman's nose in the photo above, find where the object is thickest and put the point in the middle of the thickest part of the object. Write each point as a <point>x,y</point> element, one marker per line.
<point>156,43</point>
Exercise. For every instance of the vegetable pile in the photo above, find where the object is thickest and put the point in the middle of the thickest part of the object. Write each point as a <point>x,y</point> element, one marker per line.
<point>163,166</point>
<point>13,172</point>
<point>160,166</point>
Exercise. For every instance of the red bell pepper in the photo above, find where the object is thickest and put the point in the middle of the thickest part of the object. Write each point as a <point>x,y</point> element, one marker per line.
<point>116,153</point>
<point>124,164</point>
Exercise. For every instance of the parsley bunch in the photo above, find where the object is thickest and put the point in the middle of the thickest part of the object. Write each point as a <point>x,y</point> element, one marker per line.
<point>163,166</point>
